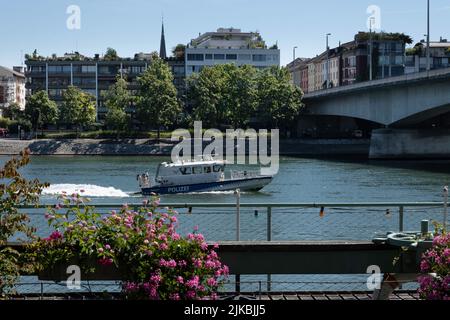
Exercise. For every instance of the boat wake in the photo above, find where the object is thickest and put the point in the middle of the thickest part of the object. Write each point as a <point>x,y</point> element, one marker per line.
<point>87,190</point>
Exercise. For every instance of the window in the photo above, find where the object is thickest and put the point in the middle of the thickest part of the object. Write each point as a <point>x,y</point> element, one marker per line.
<point>259,57</point>
<point>218,168</point>
<point>231,56</point>
<point>59,82</point>
<point>178,70</point>
<point>59,69</point>
<point>207,169</point>
<point>196,68</point>
<point>219,57</point>
<point>197,170</point>
<point>208,56</point>
<point>83,81</point>
<point>245,57</point>
<point>186,170</point>
<point>195,57</point>
<point>37,69</point>
<point>2,95</point>
<point>84,69</point>
<point>108,70</point>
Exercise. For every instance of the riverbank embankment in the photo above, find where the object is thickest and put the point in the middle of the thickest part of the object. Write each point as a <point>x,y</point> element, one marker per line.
<point>128,147</point>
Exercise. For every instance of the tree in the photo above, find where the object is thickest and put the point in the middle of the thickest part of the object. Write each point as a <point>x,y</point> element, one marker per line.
<point>13,112</point>
<point>179,50</point>
<point>157,103</point>
<point>111,55</point>
<point>41,110</point>
<point>279,101</point>
<point>206,95</point>
<point>241,94</point>
<point>117,99</point>
<point>224,94</point>
<point>78,108</point>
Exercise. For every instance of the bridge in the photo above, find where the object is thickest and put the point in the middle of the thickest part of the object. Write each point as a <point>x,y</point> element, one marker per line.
<point>402,102</point>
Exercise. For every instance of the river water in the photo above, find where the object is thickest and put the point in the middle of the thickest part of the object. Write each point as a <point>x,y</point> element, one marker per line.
<point>113,180</point>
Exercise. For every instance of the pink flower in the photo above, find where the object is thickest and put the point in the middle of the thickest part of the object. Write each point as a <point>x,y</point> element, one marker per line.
<point>171,263</point>
<point>107,247</point>
<point>105,261</point>
<point>190,295</point>
<point>100,250</point>
<point>56,235</point>
<point>180,279</point>
<point>146,241</point>
<point>175,297</point>
<point>211,282</point>
<point>193,283</point>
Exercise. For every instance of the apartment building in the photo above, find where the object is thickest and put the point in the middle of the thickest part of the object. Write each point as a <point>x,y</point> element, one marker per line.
<point>12,87</point>
<point>416,58</point>
<point>383,53</point>
<point>229,45</point>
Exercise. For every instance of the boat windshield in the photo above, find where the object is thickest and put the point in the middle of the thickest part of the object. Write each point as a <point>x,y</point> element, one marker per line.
<point>197,170</point>
<point>207,169</point>
<point>186,170</point>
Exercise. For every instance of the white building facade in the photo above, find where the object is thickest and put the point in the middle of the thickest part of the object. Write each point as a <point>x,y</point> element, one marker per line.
<point>229,46</point>
<point>12,89</point>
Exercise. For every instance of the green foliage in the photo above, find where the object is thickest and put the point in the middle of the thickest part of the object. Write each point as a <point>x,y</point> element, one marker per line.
<point>157,103</point>
<point>5,122</point>
<point>141,246</point>
<point>279,101</point>
<point>13,112</point>
<point>117,99</point>
<point>41,110</point>
<point>206,93</point>
<point>385,36</point>
<point>78,108</point>
<point>231,95</point>
<point>111,55</point>
<point>15,190</point>
<point>178,51</point>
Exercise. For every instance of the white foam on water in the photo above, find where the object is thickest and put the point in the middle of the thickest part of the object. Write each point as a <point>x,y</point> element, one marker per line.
<point>89,190</point>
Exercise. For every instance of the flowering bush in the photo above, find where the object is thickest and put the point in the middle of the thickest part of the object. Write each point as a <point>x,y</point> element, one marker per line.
<point>436,261</point>
<point>154,261</point>
<point>15,191</point>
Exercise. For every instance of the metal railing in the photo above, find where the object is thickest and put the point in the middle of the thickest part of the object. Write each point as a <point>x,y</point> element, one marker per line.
<point>400,207</point>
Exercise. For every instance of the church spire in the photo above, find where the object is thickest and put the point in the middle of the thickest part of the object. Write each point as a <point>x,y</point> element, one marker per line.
<point>162,49</point>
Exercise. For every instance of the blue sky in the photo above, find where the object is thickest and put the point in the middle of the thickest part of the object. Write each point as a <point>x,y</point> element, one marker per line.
<point>134,25</point>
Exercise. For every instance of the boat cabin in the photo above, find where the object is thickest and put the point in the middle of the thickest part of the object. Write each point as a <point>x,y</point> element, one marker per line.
<point>185,173</point>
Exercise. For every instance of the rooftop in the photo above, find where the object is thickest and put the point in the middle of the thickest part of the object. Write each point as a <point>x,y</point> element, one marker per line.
<point>6,72</point>
<point>229,38</point>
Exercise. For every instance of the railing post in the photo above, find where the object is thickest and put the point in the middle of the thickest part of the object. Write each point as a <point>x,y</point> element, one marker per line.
<point>238,214</point>
<point>238,283</point>
<point>400,218</point>
<point>269,238</point>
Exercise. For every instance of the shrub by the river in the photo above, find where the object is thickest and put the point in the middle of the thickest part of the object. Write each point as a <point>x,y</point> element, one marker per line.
<point>435,266</point>
<point>152,259</point>
<point>15,190</point>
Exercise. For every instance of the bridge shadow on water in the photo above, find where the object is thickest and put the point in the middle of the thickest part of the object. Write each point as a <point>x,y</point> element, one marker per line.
<point>424,165</point>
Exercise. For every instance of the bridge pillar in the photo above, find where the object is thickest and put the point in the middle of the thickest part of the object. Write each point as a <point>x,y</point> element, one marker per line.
<point>410,144</point>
